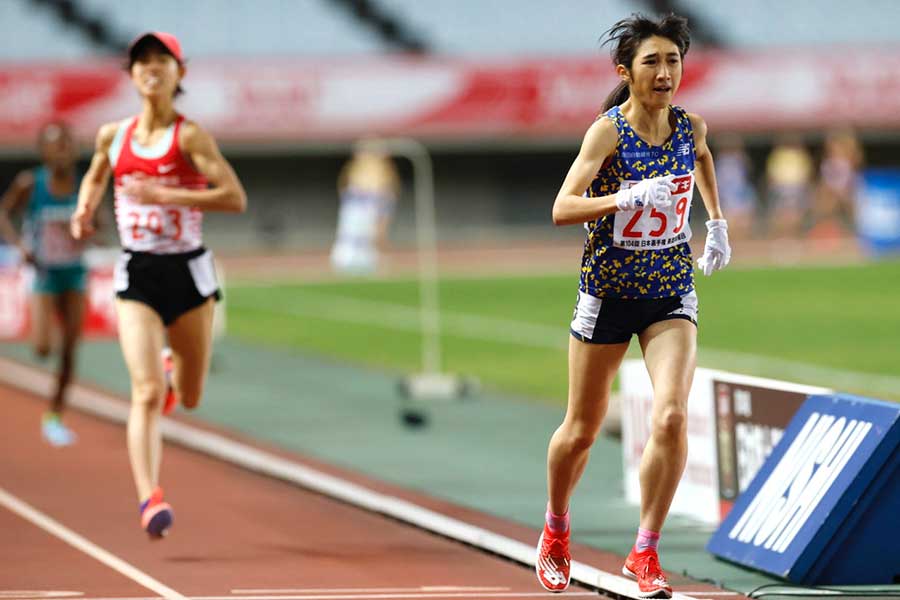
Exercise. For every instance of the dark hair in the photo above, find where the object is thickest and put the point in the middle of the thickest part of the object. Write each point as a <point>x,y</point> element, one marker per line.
<point>136,50</point>
<point>625,37</point>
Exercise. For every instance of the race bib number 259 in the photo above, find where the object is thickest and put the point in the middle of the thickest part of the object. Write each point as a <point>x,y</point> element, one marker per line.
<point>656,228</point>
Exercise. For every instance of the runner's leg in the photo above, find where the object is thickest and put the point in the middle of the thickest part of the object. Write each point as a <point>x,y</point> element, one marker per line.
<point>141,335</point>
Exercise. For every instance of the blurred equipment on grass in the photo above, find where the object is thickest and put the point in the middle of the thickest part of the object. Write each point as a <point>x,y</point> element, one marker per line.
<point>429,385</point>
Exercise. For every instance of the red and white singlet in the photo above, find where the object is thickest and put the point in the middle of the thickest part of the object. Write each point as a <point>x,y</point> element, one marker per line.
<point>152,227</point>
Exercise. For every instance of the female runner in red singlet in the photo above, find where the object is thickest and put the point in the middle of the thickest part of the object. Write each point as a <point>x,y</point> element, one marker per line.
<point>167,171</point>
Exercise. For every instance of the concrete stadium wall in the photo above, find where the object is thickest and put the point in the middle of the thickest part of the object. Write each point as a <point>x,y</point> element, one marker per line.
<point>481,197</point>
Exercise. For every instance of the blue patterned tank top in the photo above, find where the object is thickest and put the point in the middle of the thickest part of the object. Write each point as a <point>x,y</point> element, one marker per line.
<point>642,253</point>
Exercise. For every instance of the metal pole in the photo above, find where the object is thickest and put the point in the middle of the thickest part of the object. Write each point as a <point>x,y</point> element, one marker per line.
<point>426,245</point>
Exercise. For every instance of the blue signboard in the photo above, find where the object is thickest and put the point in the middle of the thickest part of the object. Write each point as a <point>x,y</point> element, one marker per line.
<point>826,502</point>
<point>878,211</point>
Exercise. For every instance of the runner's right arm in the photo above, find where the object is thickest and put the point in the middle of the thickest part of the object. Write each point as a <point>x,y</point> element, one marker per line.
<point>14,199</point>
<point>94,183</point>
<point>571,207</point>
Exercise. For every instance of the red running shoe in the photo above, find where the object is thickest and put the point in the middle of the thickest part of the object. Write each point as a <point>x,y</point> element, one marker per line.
<point>644,567</point>
<point>156,515</point>
<point>553,558</point>
<point>168,366</point>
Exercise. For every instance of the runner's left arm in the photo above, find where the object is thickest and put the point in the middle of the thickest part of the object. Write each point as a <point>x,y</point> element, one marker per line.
<point>717,249</point>
<point>705,171</point>
<point>225,194</point>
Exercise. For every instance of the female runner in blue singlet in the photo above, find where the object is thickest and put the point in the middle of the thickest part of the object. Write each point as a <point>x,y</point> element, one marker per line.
<point>631,186</point>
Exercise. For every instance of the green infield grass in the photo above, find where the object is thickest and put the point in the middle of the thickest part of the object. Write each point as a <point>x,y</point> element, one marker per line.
<point>830,326</point>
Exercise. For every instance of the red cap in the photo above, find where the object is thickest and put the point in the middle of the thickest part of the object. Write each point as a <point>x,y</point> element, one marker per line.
<point>166,39</point>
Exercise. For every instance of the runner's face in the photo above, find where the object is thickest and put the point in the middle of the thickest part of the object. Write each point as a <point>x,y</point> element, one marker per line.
<point>156,73</point>
<point>57,148</point>
<point>655,72</point>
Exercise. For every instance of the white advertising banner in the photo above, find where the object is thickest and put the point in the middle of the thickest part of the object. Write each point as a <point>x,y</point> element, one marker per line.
<point>698,493</point>
<point>733,423</point>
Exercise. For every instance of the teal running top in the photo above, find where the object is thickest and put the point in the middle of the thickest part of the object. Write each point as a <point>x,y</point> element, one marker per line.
<point>47,225</point>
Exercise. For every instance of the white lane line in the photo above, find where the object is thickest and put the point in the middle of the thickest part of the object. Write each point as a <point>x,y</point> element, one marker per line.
<point>34,594</point>
<point>506,595</point>
<point>29,513</point>
<point>421,588</point>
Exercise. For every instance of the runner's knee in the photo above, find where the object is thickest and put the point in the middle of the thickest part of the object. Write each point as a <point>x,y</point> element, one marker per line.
<point>68,348</point>
<point>190,400</point>
<point>670,426</point>
<point>148,394</point>
<point>581,436</point>
<point>67,360</point>
<point>189,388</point>
<point>189,395</point>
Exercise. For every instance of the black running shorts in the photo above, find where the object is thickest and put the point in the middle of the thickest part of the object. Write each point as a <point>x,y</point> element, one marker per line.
<point>170,284</point>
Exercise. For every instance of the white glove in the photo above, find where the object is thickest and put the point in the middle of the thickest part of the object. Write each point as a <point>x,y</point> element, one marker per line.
<point>656,192</point>
<point>717,252</point>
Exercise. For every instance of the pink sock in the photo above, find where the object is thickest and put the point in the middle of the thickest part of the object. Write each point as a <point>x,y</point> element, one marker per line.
<point>557,523</point>
<point>646,539</point>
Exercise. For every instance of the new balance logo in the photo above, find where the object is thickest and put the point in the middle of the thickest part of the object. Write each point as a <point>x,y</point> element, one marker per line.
<point>683,150</point>
<point>551,572</point>
<point>799,482</point>
<point>163,169</point>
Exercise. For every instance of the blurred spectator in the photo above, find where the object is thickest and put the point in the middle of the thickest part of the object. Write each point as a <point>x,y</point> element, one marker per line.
<point>736,192</point>
<point>368,186</point>
<point>789,175</point>
<point>832,212</point>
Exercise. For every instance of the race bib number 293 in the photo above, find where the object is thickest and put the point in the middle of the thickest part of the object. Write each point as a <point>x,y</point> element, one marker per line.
<point>656,228</point>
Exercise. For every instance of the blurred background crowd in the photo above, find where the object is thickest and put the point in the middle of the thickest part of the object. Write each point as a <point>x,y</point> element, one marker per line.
<point>801,101</point>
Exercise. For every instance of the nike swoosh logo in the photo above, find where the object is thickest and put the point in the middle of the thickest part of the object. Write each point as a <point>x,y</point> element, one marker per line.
<point>165,168</point>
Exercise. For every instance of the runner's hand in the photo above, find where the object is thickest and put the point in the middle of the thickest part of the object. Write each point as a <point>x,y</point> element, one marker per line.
<point>142,190</point>
<point>653,193</point>
<point>717,251</point>
<point>81,225</point>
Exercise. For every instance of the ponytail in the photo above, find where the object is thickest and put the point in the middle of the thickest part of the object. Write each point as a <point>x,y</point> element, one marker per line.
<point>616,97</point>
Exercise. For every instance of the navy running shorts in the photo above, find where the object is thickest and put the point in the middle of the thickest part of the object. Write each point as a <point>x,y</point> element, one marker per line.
<point>614,320</point>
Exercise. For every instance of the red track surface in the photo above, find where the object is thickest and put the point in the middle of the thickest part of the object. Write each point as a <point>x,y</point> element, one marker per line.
<point>234,530</point>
